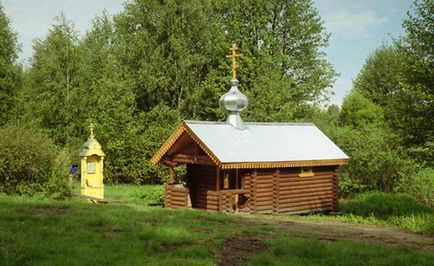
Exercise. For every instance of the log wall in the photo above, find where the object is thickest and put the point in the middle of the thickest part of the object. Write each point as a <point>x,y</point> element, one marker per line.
<point>284,191</point>
<point>262,191</point>
<point>176,197</point>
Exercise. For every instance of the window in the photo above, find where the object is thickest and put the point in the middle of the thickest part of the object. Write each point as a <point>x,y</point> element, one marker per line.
<point>306,172</point>
<point>91,167</point>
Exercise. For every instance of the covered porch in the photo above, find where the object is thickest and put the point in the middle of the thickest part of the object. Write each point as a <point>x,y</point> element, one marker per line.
<point>208,187</point>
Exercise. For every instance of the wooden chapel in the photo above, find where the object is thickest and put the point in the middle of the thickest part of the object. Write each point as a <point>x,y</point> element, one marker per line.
<point>235,166</point>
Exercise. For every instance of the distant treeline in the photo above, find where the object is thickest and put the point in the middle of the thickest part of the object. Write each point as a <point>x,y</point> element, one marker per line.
<point>137,74</point>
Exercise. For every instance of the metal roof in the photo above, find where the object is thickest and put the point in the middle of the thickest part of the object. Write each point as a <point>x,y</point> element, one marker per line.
<point>92,147</point>
<point>266,142</point>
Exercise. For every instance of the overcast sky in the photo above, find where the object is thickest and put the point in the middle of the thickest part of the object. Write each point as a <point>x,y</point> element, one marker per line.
<point>357,27</point>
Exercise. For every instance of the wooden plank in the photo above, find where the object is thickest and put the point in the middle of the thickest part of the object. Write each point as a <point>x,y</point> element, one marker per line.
<point>304,207</point>
<point>265,203</point>
<point>217,179</point>
<point>264,190</point>
<point>307,211</point>
<point>267,185</point>
<point>253,180</point>
<point>300,181</point>
<point>264,195</point>
<point>304,193</point>
<point>300,195</point>
<point>225,179</point>
<point>307,189</point>
<point>212,207</point>
<point>213,193</point>
<point>265,181</point>
<point>178,199</point>
<point>336,188</point>
<point>260,208</point>
<point>276,184</point>
<point>306,186</point>
<point>208,197</point>
<point>284,204</point>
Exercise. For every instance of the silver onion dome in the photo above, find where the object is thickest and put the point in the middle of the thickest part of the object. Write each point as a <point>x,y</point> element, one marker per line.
<point>234,102</point>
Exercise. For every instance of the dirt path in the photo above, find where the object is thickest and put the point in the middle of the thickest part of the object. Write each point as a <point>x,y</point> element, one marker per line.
<point>238,249</point>
<point>333,231</point>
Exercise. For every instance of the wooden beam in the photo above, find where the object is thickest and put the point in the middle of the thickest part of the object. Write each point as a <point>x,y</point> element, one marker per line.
<point>226,180</point>
<point>171,175</point>
<point>189,159</point>
<point>236,195</point>
<point>236,179</point>
<point>178,143</point>
<point>169,163</point>
<point>218,179</point>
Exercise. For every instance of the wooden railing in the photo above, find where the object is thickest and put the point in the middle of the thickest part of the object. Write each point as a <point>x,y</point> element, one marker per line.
<point>232,200</point>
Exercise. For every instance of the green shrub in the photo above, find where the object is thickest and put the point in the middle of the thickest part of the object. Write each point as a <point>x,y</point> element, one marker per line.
<point>398,209</point>
<point>420,185</point>
<point>376,163</point>
<point>58,185</point>
<point>29,162</point>
<point>348,186</point>
<point>382,205</point>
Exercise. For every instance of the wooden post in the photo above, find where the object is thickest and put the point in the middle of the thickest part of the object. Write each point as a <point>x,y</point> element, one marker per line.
<point>335,189</point>
<point>226,180</point>
<point>254,190</point>
<point>218,179</point>
<point>276,188</point>
<point>171,177</point>
<point>236,195</point>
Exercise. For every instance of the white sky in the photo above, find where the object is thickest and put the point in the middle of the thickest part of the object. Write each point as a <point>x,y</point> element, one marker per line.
<point>357,27</point>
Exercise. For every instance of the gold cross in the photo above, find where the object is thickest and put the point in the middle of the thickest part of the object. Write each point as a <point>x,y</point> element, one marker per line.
<point>234,56</point>
<point>91,127</point>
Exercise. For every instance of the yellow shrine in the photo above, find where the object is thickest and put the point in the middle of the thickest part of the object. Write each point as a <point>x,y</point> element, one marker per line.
<point>92,165</point>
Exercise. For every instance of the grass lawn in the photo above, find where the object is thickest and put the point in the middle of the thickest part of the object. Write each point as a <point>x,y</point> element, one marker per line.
<point>130,193</point>
<point>47,232</point>
<point>377,208</point>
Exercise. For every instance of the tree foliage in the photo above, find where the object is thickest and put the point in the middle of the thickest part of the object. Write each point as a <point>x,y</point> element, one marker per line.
<point>31,163</point>
<point>400,79</point>
<point>10,71</point>
<point>51,82</point>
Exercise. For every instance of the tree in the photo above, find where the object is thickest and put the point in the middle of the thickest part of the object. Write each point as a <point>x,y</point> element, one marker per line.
<point>10,71</point>
<point>168,48</point>
<point>282,45</point>
<point>358,111</point>
<point>381,76</point>
<point>51,81</point>
<point>400,79</point>
<point>174,50</point>
<point>418,92</point>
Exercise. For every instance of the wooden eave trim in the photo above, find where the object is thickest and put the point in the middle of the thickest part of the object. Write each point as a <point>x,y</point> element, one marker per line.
<point>174,137</point>
<point>167,144</point>
<point>255,165</point>
<point>203,146</point>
